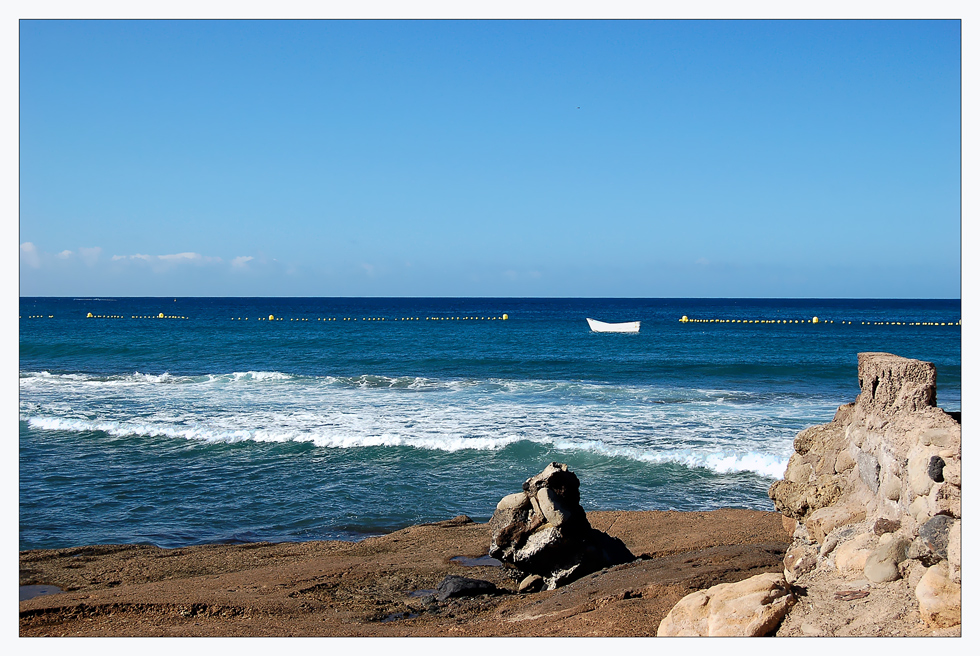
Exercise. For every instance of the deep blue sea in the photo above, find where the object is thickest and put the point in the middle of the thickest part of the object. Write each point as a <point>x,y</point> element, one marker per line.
<point>342,418</point>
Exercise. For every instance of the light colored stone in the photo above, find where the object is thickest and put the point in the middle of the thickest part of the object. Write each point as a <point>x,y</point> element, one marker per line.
<point>551,507</point>
<point>919,509</point>
<point>851,556</point>
<point>514,501</point>
<point>881,565</point>
<point>919,482</point>
<point>753,607</point>
<point>869,469</point>
<point>937,437</point>
<point>891,488</point>
<point>824,520</point>
<point>912,572</point>
<point>856,434</point>
<point>953,552</point>
<point>530,583</point>
<point>938,597</point>
<point>537,542</point>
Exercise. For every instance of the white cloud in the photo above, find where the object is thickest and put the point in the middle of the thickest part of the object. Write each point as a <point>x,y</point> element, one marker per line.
<point>170,259</point>
<point>29,255</point>
<point>180,256</point>
<point>240,261</point>
<point>64,255</point>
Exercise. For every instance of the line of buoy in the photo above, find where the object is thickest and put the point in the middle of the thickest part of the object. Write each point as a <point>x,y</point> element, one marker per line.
<point>272,317</point>
<point>686,319</point>
<point>133,316</point>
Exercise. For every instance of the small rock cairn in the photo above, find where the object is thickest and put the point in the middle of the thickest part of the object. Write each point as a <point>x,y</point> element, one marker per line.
<point>543,532</point>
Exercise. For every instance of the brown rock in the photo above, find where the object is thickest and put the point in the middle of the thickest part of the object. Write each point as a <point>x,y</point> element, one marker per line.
<point>892,384</point>
<point>844,462</point>
<point>945,499</point>
<point>883,526</point>
<point>798,561</point>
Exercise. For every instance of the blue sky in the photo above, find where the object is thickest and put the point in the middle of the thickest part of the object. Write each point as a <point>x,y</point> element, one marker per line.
<point>490,158</point>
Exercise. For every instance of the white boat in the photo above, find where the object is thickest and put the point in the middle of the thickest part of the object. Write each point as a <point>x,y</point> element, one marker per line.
<point>603,327</point>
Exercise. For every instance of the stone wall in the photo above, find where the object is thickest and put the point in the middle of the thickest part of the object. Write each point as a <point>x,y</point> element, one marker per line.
<point>875,494</point>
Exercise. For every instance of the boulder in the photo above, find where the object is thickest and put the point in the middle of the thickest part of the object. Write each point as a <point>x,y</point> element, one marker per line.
<point>461,586</point>
<point>939,597</point>
<point>544,531</point>
<point>753,607</point>
<point>882,563</point>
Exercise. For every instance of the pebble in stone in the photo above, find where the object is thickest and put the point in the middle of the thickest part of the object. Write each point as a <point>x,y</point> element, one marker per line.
<point>883,526</point>
<point>936,465</point>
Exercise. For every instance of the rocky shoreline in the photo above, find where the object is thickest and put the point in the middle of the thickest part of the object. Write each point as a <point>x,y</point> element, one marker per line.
<point>385,586</point>
<point>866,542</point>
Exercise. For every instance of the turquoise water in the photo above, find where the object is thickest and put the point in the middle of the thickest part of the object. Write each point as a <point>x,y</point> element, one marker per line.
<point>344,418</point>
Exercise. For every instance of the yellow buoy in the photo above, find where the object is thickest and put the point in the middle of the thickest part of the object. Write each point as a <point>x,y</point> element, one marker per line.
<point>816,320</point>
<point>89,316</point>
<point>504,317</point>
<point>160,316</point>
<point>272,317</point>
<point>684,319</point>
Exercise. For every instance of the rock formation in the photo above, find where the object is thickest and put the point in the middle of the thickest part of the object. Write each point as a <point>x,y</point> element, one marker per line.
<point>873,502</point>
<point>543,532</point>
<point>875,494</point>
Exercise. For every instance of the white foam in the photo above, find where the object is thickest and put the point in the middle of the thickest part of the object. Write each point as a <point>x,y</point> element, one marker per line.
<point>701,430</point>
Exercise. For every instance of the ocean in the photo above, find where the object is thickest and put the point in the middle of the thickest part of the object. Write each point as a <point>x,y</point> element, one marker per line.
<point>181,421</point>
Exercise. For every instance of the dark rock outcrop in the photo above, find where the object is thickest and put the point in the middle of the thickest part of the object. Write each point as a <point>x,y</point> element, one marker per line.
<point>543,530</point>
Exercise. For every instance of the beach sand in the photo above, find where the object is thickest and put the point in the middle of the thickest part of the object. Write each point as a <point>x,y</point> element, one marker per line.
<point>364,588</point>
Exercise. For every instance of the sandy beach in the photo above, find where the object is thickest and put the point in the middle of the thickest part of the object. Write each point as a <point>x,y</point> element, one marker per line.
<point>383,586</point>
